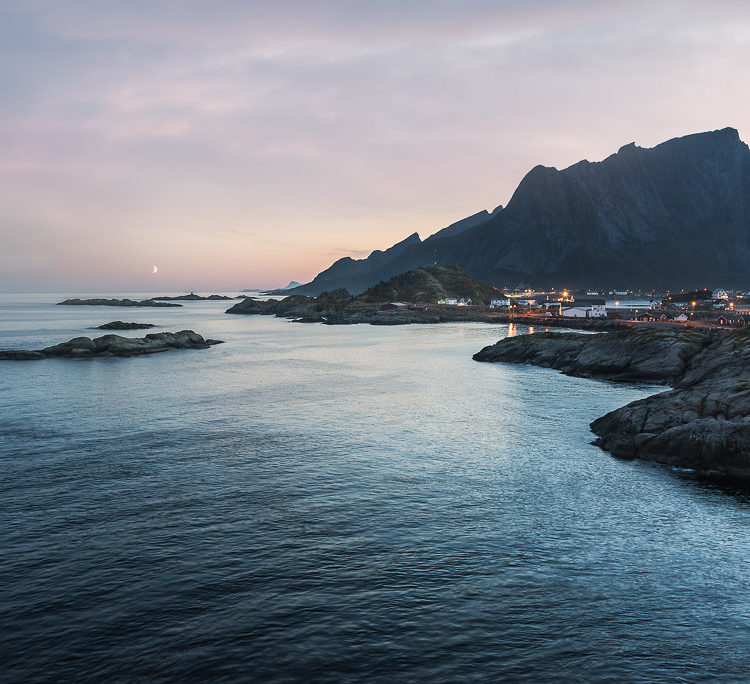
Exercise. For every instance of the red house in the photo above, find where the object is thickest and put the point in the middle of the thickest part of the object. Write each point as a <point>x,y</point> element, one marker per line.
<point>396,306</point>
<point>733,320</point>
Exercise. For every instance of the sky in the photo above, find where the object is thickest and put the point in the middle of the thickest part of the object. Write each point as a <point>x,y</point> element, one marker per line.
<point>240,144</point>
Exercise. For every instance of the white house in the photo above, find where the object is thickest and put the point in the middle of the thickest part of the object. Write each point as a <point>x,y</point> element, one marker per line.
<point>584,308</point>
<point>594,311</point>
<point>449,301</point>
<point>719,294</point>
<point>499,302</point>
<point>682,318</point>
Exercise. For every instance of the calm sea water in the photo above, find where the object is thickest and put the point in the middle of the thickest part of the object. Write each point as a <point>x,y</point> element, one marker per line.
<point>344,503</point>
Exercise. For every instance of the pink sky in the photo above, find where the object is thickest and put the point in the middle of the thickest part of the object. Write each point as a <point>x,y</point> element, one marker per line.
<point>237,144</point>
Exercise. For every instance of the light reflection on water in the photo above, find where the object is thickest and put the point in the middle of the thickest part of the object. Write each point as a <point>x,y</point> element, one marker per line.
<point>339,502</point>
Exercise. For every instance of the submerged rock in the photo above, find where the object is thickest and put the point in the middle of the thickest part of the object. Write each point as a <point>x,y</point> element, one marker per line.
<point>113,345</point>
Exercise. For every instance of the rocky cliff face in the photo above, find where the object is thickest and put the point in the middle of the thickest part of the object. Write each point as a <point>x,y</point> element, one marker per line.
<point>676,215</point>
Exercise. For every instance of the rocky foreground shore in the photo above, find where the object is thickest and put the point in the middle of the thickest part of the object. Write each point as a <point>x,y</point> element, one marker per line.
<point>703,423</point>
<point>113,345</point>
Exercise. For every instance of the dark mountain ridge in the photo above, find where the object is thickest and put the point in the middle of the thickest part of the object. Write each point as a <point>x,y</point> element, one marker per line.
<point>675,215</point>
<point>356,275</point>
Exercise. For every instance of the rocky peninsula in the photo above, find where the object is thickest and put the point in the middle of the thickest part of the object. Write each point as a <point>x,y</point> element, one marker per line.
<point>113,345</point>
<point>702,424</point>
<point>114,302</point>
<point>123,325</point>
<point>423,287</point>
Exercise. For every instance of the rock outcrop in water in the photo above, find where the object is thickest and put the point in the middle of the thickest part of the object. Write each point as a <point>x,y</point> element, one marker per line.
<point>114,302</point>
<point>113,345</point>
<point>192,297</point>
<point>702,424</point>
<point>123,325</point>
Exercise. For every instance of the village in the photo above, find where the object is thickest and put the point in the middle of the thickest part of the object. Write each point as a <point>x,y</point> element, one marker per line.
<point>699,308</point>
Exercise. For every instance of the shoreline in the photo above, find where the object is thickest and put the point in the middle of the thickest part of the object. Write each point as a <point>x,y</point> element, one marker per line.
<point>702,423</point>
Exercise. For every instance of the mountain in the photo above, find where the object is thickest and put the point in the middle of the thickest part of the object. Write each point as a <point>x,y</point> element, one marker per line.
<point>356,275</point>
<point>675,215</point>
<point>463,224</point>
<point>291,285</point>
<point>429,284</point>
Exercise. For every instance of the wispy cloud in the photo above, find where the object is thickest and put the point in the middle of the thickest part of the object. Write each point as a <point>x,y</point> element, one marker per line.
<point>293,128</point>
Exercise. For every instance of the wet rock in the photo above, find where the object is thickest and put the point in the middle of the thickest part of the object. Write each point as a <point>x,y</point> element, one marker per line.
<point>702,424</point>
<point>122,325</point>
<point>651,355</point>
<point>114,345</point>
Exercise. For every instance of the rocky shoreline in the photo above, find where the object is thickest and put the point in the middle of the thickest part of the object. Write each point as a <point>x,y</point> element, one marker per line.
<point>702,424</point>
<point>113,345</point>
<point>340,308</point>
<point>114,302</point>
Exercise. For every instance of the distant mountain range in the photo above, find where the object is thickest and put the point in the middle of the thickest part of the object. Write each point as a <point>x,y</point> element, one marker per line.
<point>675,215</point>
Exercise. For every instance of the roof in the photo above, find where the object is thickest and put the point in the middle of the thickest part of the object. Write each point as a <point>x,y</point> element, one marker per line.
<point>589,301</point>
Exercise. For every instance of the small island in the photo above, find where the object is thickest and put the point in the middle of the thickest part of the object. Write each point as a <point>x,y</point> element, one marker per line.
<point>122,325</point>
<point>113,345</point>
<point>702,424</point>
<point>114,302</point>
<point>192,297</point>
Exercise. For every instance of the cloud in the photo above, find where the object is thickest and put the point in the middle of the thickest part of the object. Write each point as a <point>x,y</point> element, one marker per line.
<point>292,128</point>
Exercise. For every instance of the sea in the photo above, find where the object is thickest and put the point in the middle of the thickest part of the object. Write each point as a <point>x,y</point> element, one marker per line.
<point>312,503</point>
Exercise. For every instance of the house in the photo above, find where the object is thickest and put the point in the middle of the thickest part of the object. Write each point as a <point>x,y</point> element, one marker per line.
<point>396,306</point>
<point>681,318</point>
<point>574,311</point>
<point>731,320</point>
<point>719,294</point>
<point>464,301</point>
<point>584,307</point>
<point>645,316</point>
<point>449,301</point>
<point>494,303</point>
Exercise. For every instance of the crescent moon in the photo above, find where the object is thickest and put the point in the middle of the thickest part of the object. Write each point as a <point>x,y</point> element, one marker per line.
<point>155,269</point>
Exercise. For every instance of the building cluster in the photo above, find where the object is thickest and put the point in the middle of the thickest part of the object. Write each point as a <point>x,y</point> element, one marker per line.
<point>720,307</point>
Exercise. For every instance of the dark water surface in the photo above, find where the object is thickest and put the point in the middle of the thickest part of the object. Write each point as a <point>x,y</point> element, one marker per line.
<point>334,503</point>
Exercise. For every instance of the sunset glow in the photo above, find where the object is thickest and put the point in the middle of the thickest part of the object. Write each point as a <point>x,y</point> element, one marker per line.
<point>245,148</point>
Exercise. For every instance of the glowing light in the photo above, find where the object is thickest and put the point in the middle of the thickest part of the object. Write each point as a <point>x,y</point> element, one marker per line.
<point>156,268</point>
